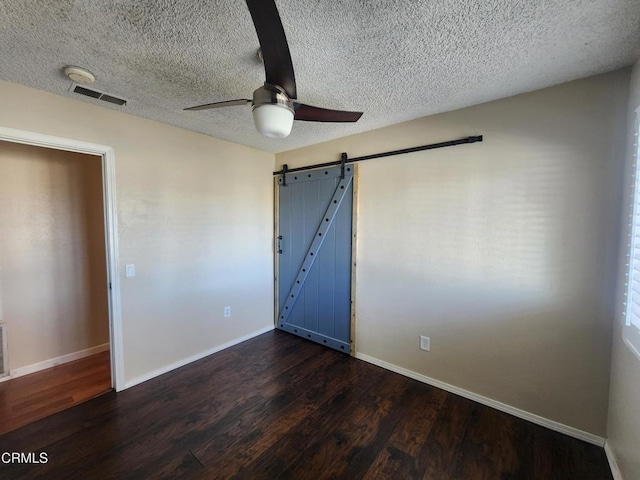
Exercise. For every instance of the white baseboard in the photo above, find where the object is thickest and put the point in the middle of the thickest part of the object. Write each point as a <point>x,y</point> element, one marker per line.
<point>52,362</point>
<point>193,358</point>
<point>613,463</point>
<point>503,407</point>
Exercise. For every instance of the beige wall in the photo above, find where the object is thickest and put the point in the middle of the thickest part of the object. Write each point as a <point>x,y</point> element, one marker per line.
<point>623,428</point>
<point>53,287</point>
<point>194,216</point>
<point>495,250</point>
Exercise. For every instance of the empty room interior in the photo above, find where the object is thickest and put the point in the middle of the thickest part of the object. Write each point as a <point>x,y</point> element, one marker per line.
<point>307,240</point>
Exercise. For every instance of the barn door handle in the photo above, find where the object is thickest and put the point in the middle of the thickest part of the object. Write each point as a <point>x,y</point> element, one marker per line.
<point>279,244</point>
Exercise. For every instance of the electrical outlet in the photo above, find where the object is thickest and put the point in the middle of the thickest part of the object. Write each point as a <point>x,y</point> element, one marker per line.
<point>425,343</point>
<point>227,311</point>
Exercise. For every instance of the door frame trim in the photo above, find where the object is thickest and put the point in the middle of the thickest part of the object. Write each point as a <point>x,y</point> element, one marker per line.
<point>276,255</point>
<point>111,229</point>
<point>354,250</point>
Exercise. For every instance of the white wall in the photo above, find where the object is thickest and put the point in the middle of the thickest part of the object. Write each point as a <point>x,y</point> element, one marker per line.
<point>53,284</point>
<point>499,251</point>
<point>623,428</point>
<point>195,216</point>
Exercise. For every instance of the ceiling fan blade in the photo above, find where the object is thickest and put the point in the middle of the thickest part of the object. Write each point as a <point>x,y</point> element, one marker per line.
<point>309,113</point>
<point>228,103</point>
<point>273,43</point>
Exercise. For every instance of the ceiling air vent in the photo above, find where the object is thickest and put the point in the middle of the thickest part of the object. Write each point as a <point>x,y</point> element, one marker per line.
<point>87,92</point>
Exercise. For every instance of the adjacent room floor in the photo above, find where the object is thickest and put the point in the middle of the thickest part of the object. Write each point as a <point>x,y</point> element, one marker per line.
<point>24,400</point>
<point>280,407</point>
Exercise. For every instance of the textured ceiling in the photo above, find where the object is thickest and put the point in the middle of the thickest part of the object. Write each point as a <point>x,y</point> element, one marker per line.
<point>395,60</point>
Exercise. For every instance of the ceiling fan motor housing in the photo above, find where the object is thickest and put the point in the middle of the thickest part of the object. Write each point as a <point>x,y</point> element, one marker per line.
<point>271,95</point>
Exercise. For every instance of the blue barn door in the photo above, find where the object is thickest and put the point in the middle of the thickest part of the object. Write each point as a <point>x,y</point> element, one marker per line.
<point>314,256</point>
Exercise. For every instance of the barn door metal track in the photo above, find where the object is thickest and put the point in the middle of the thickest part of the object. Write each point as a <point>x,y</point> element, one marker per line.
<point>314,249</point>
<point>343,159</point>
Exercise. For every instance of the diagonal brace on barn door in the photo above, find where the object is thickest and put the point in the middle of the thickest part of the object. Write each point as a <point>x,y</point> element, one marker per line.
<point>316,245</point>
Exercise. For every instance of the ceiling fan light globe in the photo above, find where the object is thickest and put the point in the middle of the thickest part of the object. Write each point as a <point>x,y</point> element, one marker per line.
<point>274,121</point>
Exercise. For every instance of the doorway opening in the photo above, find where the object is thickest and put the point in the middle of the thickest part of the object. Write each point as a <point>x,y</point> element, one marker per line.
<point>59,289</point>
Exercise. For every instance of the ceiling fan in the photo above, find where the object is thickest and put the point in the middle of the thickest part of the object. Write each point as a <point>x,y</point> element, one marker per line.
<point>273,105</point>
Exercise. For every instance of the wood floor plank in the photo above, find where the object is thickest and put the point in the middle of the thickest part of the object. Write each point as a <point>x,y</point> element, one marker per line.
<point>24,400</point>
<point>296,441</point>
<point>279,407</point>
<point>381,423</point>
<point>269,430</point>
<point>216,433</point>
<point>398,457</point>
<point>438,455</point>
<point>224,398</point>
<point>165,388</point>
<point>350,446</point>
<point>273,418</point>
<point>487,450</point>
<point>556,457</point>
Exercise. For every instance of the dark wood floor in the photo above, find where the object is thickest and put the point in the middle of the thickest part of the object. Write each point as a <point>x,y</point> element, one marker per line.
<point>279,407</point>
<point>24,400</point>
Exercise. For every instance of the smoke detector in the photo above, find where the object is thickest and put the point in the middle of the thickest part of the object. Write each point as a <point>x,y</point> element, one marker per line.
<point>80,75</point>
